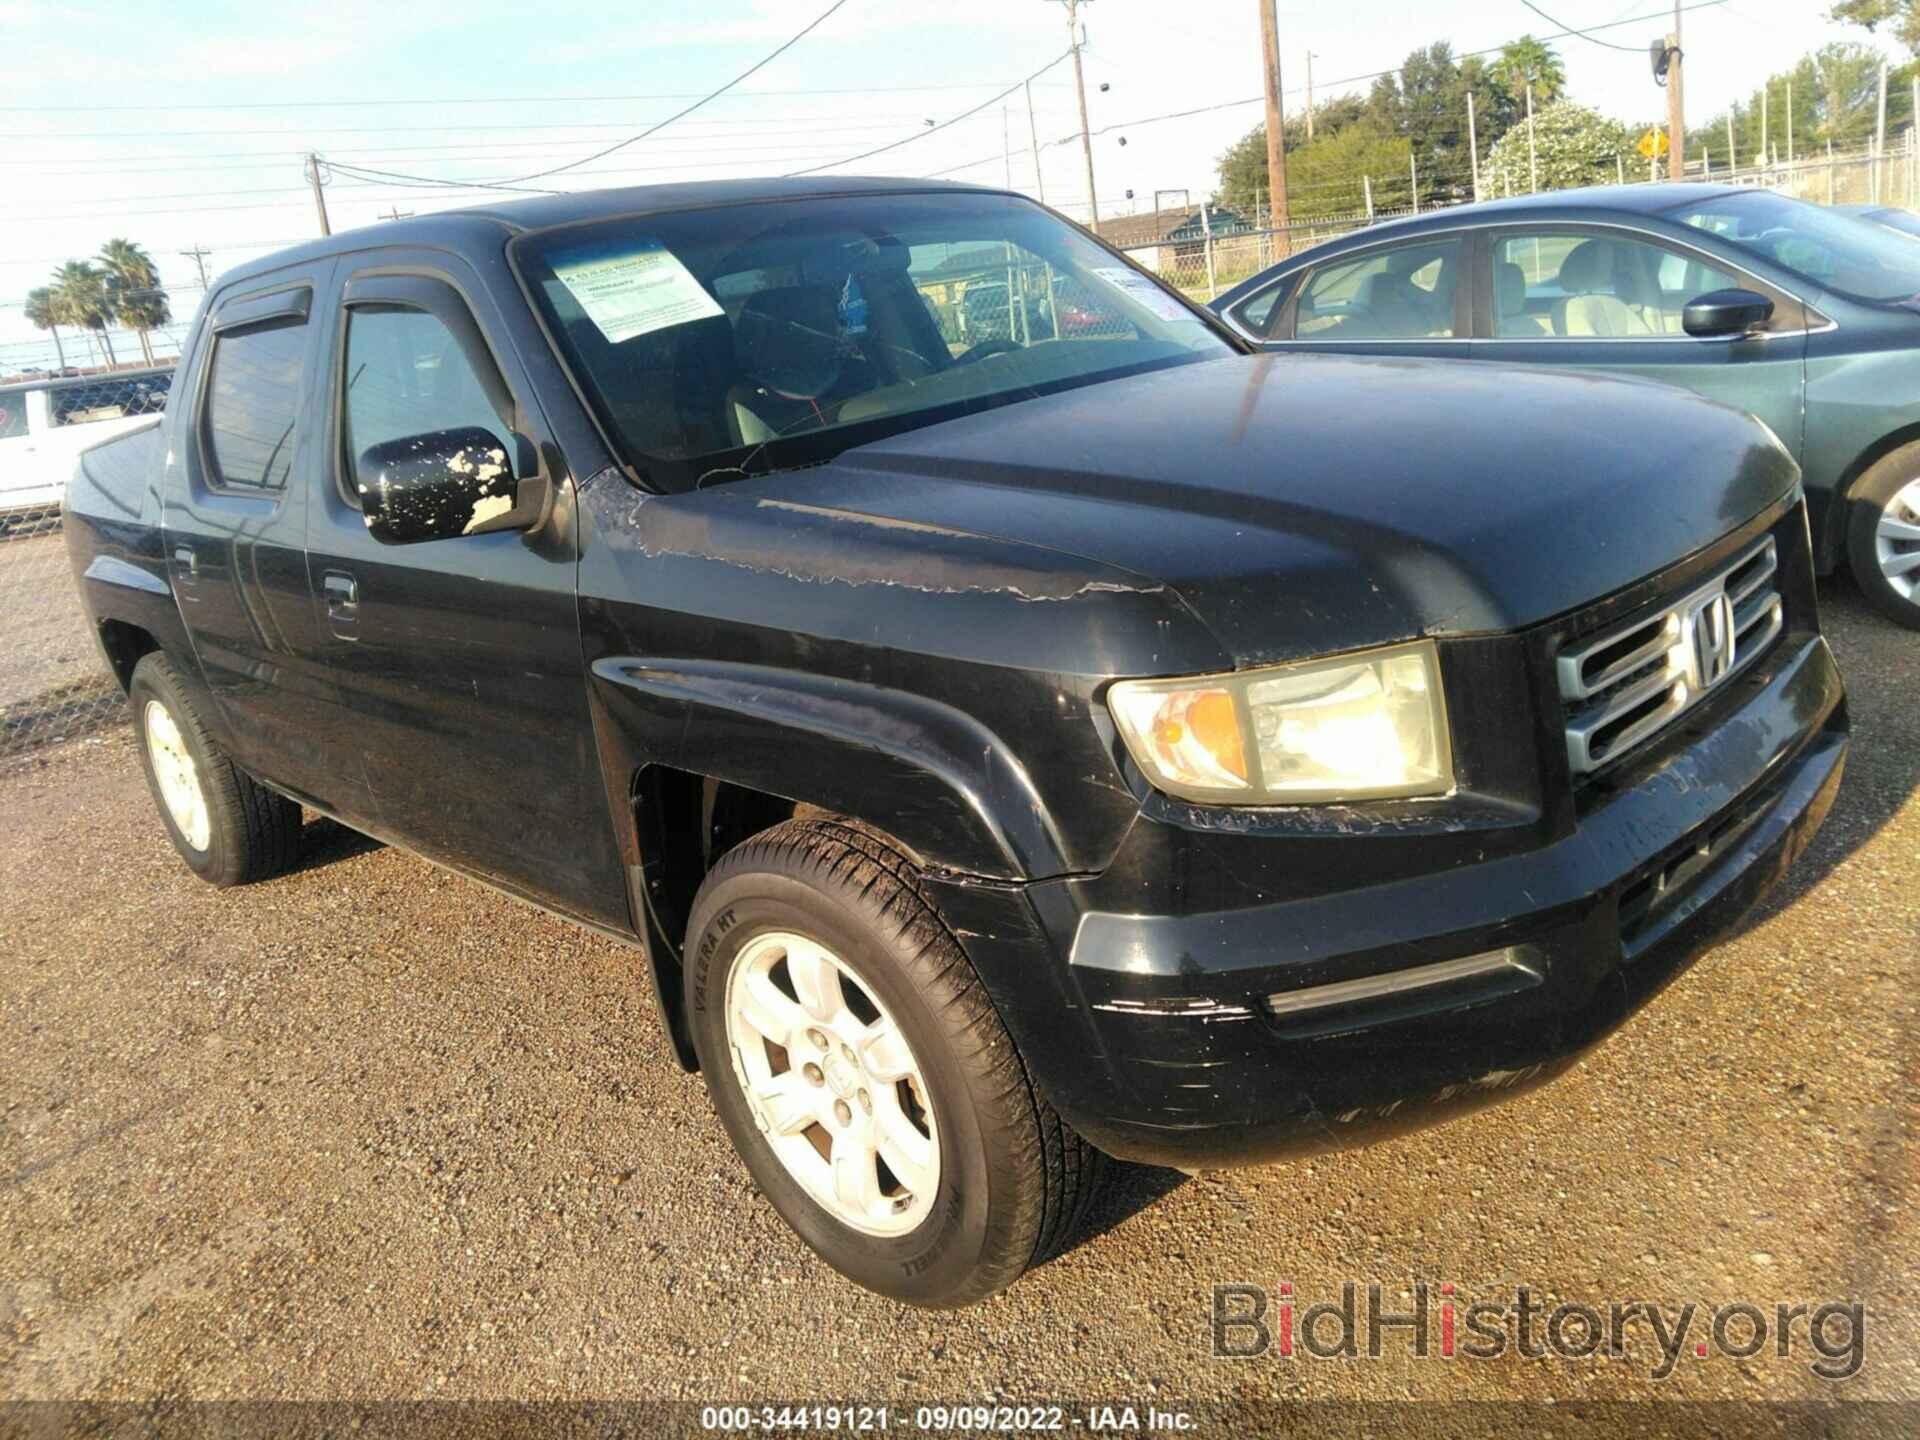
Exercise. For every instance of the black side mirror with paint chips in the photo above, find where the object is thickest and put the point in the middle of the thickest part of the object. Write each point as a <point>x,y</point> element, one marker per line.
<point>449,483</point>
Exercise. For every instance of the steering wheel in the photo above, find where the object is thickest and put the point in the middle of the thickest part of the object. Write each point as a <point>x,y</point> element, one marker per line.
<point>987,348</point>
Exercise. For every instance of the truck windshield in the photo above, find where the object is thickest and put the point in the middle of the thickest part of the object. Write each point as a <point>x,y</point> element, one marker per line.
<point>758,336</point>
<point>1841,252</point>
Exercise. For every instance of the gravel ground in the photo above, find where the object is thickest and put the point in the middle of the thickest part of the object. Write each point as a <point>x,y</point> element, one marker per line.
<point>371,1131</point>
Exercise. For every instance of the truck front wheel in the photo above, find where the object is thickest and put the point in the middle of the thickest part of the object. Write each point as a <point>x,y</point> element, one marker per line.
<point>865,1076</point>
<point>227,826</point>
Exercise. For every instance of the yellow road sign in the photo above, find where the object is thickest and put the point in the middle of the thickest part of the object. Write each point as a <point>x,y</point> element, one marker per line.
<point>1653,144</point>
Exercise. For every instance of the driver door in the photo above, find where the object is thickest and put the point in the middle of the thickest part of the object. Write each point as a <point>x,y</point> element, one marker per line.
<point>457,662</point>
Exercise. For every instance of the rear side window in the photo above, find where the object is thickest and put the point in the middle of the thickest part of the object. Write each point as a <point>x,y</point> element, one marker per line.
<point>1405,293</point>
<point>253,404</point>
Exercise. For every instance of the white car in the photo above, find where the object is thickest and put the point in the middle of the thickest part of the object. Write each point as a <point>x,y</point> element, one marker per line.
<point>45,425</point>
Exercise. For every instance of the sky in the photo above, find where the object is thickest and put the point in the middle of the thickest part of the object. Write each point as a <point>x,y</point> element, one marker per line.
<point>186,126</point>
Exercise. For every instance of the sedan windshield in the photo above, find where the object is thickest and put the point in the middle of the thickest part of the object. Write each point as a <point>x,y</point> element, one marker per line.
<point>761,335</point>
<point>1842,252</point>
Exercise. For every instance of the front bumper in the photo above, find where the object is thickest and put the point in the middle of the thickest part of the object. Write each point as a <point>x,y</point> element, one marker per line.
<point>1154,1038</point>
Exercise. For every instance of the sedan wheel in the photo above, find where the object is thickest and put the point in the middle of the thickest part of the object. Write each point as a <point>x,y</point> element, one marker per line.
<point>1883,534</point>
<point>1896,542</point>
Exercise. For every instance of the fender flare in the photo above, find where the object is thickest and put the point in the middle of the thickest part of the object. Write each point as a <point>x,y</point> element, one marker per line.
<point>934,778</point>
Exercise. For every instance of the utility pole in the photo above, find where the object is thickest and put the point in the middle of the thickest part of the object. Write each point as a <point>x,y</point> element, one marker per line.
<point>1733,151</point>
<point>198,255</point>
<point>1676,104</point>
<point>1473,146</point>
<point>1086,136</point>
<point>1276,122</point>
<point>1033,138</point>
<point>1766,130</point>
<point>1790,118</point>
<point>319,197</point>
<point>1310,97</point>
<point>1006,146</point>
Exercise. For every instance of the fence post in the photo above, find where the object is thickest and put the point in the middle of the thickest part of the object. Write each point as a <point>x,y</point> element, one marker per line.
<point>1473,141</point>
<point>1830,172</point>
<point>1206,230</point>
<point>1620,166</point>
<point>1366,185</point>
<point>1413,169</point>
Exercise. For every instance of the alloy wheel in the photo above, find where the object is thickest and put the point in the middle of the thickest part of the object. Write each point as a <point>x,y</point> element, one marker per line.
<point>1896,541</point>
<point>832,1084</point>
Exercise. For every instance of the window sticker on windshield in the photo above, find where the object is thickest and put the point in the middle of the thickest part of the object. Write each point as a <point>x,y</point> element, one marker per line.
<point>637,292</point>
<point>1142,291</point>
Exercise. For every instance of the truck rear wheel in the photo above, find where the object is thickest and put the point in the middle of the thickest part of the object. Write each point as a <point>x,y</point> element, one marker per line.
<point>228,827</point>
<point>864,1075</point>
<point>1883,535</point>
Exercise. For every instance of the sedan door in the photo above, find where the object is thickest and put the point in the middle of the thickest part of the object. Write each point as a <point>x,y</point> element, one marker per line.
<point>1610,298</point>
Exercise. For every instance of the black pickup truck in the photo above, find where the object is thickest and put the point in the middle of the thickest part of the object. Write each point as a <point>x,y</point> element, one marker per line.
<point>1090,739</point>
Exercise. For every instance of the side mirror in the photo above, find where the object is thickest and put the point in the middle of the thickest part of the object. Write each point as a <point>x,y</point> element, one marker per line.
<point>448,483</point>
<point>1726,312</point>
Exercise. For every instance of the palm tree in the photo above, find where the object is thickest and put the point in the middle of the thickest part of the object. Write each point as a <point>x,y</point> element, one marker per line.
<point>43,315</point>
<point>139,302</point>
<point>83,295</point>
<point>1528,61</point>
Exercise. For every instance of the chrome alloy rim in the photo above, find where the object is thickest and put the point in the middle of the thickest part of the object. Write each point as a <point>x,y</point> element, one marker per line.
<point>1896,541</point>
<point>832,1083</point>
<point>178,776</point>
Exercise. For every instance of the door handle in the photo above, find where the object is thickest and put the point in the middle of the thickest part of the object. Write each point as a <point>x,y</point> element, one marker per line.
<point>188,560</point>
<point>343,603</point>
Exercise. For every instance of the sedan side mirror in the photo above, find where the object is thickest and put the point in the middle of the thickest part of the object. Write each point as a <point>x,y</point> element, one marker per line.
<point>1726,312</point>
<point>448,483</point>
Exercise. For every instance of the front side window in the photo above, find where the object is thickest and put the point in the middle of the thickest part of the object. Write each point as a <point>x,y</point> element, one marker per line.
<point>779,333</point>
<point>253,401</point>
<point>1403,293</point>
<point>407,375</point>
<point>1575,286</point>
<point>1842,252</point>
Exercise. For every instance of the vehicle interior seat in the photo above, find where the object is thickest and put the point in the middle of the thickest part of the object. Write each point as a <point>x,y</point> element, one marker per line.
<point>1385,308</point>
<point>1510,316</point>
<point>1593,306</point>
<point>787,341</point>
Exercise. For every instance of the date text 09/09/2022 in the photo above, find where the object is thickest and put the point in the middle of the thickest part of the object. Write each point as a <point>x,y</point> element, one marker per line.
<point>933,1419</point>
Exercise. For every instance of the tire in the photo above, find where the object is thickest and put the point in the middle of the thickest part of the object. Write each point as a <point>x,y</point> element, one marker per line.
<point>241,831</point>
<point>1013,1182</point>
<point>1882,506</point>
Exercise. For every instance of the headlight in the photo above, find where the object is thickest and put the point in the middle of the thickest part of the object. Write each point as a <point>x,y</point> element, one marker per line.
<point>1360,727</point>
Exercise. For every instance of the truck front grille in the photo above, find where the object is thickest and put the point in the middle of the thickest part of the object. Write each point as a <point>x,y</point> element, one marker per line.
<point>1624,687</point>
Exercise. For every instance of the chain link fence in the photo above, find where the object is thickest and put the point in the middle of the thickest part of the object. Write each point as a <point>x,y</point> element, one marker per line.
<point>53,684</point>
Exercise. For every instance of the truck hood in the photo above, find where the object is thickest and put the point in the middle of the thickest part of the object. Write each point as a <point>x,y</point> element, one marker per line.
<point>1299,504</point>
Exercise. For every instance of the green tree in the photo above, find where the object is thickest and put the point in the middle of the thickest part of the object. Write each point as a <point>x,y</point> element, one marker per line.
<point>1901,17</point>
<point>1331,176</point>
<point>1528,59</point>
<point>1572,146</point>
<point>42,314</point>
<point>139,303</point>
<point>1425,101</point>
<point>1835,97</point>
<point>83,296</point>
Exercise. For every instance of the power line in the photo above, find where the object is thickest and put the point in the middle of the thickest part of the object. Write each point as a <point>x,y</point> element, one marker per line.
<point>1630,49</point>
<point>653,129</point>
<point>935,129</point>
<point>500,100</point>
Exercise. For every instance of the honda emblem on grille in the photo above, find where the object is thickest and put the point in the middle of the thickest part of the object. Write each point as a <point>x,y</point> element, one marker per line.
<point>1710,633</point>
